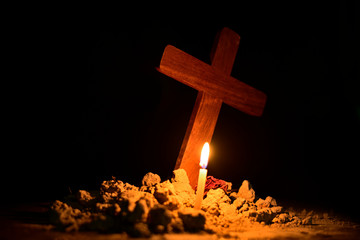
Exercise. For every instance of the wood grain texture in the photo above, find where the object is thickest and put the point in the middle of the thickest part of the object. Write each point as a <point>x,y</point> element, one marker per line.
<point>215,85</point>
<point>224,50</point>
<point>203,77</point>
<point>200,130</point>
<point>207,107</point>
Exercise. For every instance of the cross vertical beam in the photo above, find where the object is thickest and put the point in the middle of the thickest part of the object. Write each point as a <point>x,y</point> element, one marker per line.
<point>207,108</point>
<point>200,130</point>
<point>215,86</point>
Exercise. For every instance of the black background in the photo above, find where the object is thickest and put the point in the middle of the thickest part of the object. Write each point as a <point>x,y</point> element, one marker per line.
<point>83,101</point>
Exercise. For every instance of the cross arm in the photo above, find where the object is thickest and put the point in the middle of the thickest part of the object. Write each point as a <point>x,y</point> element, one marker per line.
<point>203,77</point>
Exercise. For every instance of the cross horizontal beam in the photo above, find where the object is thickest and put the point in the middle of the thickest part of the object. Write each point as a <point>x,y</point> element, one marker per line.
<point>203,77</point>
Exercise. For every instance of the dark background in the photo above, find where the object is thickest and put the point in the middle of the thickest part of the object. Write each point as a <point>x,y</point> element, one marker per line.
<point>83,101</point>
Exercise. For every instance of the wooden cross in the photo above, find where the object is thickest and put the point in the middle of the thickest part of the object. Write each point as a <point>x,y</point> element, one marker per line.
<point>215,85</point>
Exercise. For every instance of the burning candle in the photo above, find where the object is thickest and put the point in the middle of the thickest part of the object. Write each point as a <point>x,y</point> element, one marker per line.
<point>204,158</point>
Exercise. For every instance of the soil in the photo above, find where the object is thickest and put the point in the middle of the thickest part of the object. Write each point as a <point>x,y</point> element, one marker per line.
<point>163,210</point>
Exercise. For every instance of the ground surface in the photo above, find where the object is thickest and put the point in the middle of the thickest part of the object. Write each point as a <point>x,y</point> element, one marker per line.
<point>30,221</point>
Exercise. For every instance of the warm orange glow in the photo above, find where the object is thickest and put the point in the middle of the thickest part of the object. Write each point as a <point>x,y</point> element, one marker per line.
<point>205,155</point>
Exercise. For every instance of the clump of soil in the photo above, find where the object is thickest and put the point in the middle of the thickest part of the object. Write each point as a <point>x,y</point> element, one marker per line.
<point>167,207</point>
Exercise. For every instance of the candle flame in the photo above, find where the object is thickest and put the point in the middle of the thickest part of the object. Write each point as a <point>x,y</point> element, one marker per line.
<point>205,155</point>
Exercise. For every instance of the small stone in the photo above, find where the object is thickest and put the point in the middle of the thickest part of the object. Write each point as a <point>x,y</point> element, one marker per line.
<point>149,199</point>
<point>271,201</point>
<point>85,198</point>
<point>112,186</point>
<point>139,213</point>
<point>172,203</point>
<point>183,190</point>
<point>213,196</point>
<point>277,209</point>
<point>131,197</point>
<point>193,220</point>
<point>265,215</point>
<point>158,215</point>
<point>229,186</point>
<point>246,191</point>
<point>180,176</point>
<point>260,203</point>
<point>227,210</point>
<point>163,191</point>
<point>239,202</point>
<point>213,199</point>
<point>150,179</point>
<point>109,208</point>
<point>268,202</point>
<point>281,218</point>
